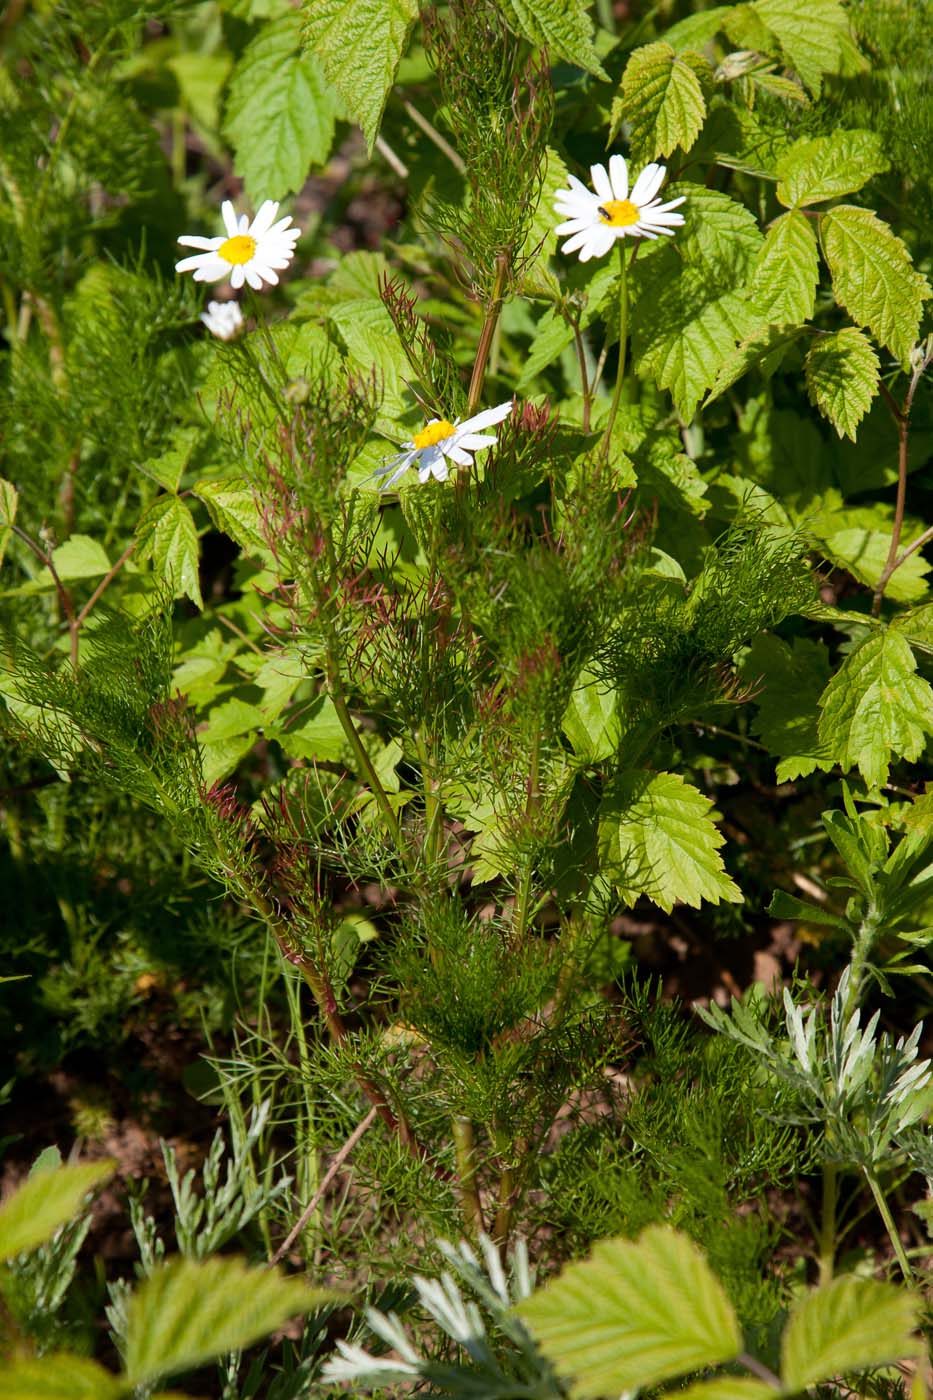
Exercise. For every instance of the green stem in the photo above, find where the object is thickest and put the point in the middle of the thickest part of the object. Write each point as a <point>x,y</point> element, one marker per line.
<point>523,896</point>
<point>433,813</point>
<point>623,339</point>
<point>490,321</point>
<point>889,1225</point>
<point>335,689</point>
<point>828,1222</point>
<point>465,1150</point>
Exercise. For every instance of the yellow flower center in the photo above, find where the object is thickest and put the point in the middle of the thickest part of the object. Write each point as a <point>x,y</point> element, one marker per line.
<point>238,249</point>
<point>433,433</point>
<point>619,213</point>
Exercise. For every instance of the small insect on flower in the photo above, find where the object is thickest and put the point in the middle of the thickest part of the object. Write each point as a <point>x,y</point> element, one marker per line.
<point>596,220</point>
<point>440,440</point>
<point>251,252</point>
<point>223,319</point>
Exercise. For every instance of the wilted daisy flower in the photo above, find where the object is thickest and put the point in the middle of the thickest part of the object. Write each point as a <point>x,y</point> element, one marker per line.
<point>438,440</point>
<point>223,319</point>
<point>251,252</point>
<point>596,220</point>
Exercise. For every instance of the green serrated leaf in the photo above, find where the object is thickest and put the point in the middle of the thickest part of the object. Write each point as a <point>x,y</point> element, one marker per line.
<point>728,1388</point>
<point>281,111</point>
<point>864,552</point>
<point>316,733</point>
<point>662,100</point>
<point>788,680</point>
<point>656,837</point>
<point>80,557</point>
<point>764,349</point>
<point>562,26</point>
<point>359,46</point>
<point>684,352</point>
<point>167,535</point>
<point>873,277</point>
<point>634,1314</point>
<point>36,1209</point>
<point>842,378</point>
<point>783,286</point>
<point>827,167</point>
<point>811,34</point>
<point>848,1325</point>
<point>60,1376</point>
<point>189,1310</point>
<point>373,345</point>
<point>695,31</point>
<point>591,720</point>
<point>9,499</point>
<point>233,510</point>
<point>875,706</point>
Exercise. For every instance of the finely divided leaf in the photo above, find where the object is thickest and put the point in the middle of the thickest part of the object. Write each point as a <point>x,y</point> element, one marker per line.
<point>656,837</point>
<point>849,1325</point>
<point>562,26</point>
<point>188,1311</point>
<point>875,706</point>
<point>663,101</point>
<point>280,112</point>
<point>811,34</point>
<point>873,277</point>
<point>842,378</point>
<point>634,1314</point>
<point>359,45</point>
<point>828,166</point>
<point>48,1199</point>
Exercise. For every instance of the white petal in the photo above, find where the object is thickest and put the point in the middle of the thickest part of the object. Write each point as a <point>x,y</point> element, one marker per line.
<point>486,418</point>
<point>601,182</point>
<point>281,228</point>
<point>602,239</point>
<point>648,211</point>
<point>237,276</point>
<point>639,231</point>
<point>229,218</point>
<point>195,260</point>
<point>578,187</point>
<point>243,225</point>
<point>573,226</point>
<point>191,240</point>
<point>662,220</point>
<point>264,219</point>
<point>648,183</point>
<point>474,442</point>
<point>577,241</point>
<point>462,459</point>
<point>618,174</point>
<point>211,271</point>
<point>264,270</point>
<point>253,277</point>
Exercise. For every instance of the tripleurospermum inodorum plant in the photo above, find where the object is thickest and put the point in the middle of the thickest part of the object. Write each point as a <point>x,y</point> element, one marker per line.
<point>479,593</point>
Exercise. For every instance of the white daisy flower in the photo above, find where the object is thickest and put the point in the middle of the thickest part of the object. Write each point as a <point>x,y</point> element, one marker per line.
<point>251,252</point>
<point>223,319</point>
<point>596,220</point>
<point>440,440</point>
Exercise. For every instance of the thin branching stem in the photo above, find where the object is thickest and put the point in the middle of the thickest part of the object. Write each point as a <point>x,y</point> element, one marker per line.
<point>901,415</point>
<point>490,321</point>
<point>318,1196</point>
<point>885,1213</point>
<point>584,374</point>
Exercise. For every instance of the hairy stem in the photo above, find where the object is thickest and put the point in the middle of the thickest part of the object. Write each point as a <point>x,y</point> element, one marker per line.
<point>465,1151</point>
<point>490,321</point>
<point>318,1196</point>
<point>584,375</point>
<point>886,1216</point>
<point>623,338</point>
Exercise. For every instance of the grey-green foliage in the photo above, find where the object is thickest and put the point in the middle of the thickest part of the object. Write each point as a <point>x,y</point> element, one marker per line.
<point>471,1305</point>
<point>860,1088</point>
